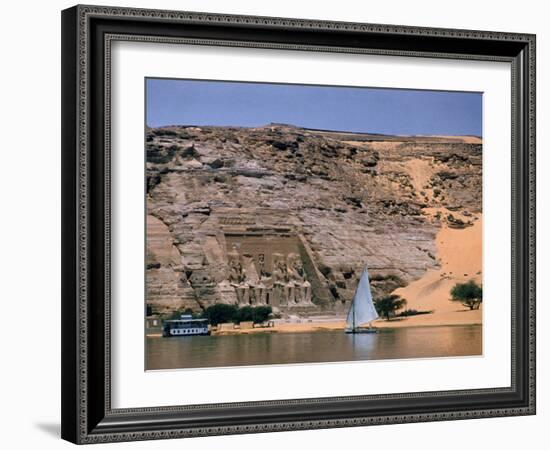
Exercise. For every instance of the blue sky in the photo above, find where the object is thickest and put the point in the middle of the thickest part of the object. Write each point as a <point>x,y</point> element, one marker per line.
<point>358,109</point>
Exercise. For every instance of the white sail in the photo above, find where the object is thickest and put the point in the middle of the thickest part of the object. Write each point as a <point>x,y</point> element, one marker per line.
<point>362,309</point>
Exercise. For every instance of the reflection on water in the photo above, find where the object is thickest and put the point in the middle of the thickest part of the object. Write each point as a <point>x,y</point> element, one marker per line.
<point>285,348</point>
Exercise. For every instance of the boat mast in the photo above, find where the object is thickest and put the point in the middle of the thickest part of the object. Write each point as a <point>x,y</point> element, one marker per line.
<point>353,306</point>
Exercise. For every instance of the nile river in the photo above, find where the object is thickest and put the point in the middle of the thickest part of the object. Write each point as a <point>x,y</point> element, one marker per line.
<point>309,347</point>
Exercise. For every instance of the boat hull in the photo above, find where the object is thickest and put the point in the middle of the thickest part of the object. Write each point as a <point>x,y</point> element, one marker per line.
<point>181,332</point>
<point>362,331</point>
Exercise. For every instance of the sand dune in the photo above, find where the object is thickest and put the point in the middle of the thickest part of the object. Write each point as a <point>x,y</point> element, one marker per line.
<point>459,252</point>
<point>460,256</point>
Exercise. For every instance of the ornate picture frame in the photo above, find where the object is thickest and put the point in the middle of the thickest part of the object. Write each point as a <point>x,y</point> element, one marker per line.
<point>88,33</point>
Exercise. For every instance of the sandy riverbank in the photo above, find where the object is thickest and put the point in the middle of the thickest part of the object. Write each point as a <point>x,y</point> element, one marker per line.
<point>459,317</point>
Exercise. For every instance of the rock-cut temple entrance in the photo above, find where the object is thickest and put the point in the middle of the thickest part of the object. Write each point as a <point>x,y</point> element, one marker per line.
<point>275,268</point>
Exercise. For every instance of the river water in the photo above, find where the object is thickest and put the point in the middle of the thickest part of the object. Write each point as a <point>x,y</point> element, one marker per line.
<point>325,346</point>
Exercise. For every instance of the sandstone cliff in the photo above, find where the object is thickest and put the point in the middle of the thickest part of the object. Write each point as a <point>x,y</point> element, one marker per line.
<point>342,199</point>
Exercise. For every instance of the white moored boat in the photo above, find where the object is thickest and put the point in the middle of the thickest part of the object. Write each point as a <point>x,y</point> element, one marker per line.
<point>362,311</point>
<point>185,326</point>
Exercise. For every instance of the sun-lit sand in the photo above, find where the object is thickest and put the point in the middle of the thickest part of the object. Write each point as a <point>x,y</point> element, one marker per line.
<point>459,252</point>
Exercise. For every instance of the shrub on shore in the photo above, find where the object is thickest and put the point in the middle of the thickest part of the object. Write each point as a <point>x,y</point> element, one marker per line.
<point>257,314</point>
<point>222,313</point>
<point>470,294</point>
<point>387,306</point>
<point>412,312</point>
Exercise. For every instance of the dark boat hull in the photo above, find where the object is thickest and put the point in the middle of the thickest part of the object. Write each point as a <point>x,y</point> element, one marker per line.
<point>362,331</point>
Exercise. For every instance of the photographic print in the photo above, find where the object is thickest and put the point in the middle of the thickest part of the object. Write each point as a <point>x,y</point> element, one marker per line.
<point>278,202</point>
<point>292,223</point>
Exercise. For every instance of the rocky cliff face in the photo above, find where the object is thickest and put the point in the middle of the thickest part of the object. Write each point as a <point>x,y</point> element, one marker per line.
<point>341,200</point>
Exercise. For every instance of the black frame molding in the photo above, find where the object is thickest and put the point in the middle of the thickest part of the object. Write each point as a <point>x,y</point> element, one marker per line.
<point>87,33</point>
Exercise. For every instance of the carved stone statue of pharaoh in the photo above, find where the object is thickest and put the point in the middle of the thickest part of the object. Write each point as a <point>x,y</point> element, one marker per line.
<point>236,272</point>
<point>266,280</point>
<point>279,277</point>
<point>301,287</point>
<point>237,277</point>
<point>259,292</point>
<point>261,267</point>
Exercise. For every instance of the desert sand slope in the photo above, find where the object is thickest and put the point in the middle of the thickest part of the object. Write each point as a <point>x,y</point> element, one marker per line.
<point>460,257</point>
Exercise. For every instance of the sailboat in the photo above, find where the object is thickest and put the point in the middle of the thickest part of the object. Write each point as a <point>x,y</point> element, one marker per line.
<point>362,310</point>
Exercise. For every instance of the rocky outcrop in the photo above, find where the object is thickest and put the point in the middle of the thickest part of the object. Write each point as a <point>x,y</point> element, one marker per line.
<point>339,200</point>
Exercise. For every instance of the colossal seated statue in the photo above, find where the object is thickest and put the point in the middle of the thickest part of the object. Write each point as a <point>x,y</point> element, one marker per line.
<point>296,272</point>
